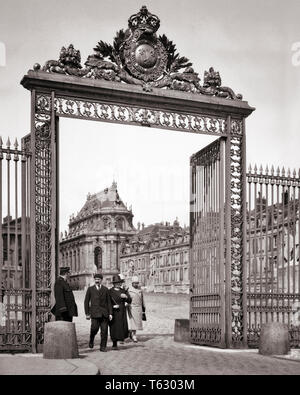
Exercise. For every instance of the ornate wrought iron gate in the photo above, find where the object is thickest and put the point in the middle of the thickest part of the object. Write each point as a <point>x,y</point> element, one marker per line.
<point>273,239</point>
<point>122,83</point>
<point>207,258</point>
<point>16,298</point>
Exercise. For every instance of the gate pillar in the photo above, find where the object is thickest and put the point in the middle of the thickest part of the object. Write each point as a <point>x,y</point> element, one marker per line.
<point>43,218</point>
<point>235,235</point>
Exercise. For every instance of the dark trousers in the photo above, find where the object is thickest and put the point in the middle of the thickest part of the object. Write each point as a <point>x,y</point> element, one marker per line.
<point>64,317</point>
<point>95,325</point>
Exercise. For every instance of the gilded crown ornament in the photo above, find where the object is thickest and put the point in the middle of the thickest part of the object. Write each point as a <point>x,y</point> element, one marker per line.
<point>138,56</point>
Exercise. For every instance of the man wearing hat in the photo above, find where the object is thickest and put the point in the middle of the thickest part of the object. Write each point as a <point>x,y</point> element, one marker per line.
<point>65,307</point>
<point>118,325</point>
<point>97,306</point>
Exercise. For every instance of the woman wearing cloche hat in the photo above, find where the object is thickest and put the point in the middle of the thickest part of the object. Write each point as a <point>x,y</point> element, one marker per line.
<point>136,309</point>
<point>118,325</point>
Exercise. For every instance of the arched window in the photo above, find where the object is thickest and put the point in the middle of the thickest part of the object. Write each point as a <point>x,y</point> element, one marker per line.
<point>98,257</point>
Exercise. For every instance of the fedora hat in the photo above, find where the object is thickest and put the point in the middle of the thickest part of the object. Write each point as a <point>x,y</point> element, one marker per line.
<point>117,279</point>
<point>64,270</point>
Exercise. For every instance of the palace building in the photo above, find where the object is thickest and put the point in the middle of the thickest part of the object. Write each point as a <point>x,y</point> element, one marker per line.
<point>273,246</point>
<point>102,239</point>
<point>11,271</point>
<point>96,233</point>
<point>159,255</point>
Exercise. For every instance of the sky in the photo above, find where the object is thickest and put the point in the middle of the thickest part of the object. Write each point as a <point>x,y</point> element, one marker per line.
<point>255,45</point>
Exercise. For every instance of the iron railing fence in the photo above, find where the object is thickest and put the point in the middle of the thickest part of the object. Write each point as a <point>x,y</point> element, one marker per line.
<point>273,238</point>
<point>15,281</point>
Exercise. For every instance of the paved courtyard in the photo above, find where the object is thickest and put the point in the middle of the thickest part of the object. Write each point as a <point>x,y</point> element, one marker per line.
<point>161,310</point>
<point>156,353</point>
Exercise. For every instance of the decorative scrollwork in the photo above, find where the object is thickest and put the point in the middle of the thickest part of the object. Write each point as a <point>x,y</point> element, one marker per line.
<point>208,155</point>
<point>15,329</point>
<point>138,56</point>
<point>68,63</point>
<point>236,127</point>
<point>43,104</point>
<point>206,335</point>
<point>236,190</point>
<point>133,115</point>
<point>212,86</point>
<point>43,208</point>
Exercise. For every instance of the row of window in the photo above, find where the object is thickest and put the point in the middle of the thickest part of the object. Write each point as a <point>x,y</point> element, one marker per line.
<point>158,260</point>
<point>166,276</point>
<point>258,244</point>
<point>171,242</point>
<point>171,276</point>
<point>72,259</point>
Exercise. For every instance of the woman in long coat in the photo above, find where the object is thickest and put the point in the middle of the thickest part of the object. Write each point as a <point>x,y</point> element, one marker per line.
<point>118,324</point>
<point>135,309</point>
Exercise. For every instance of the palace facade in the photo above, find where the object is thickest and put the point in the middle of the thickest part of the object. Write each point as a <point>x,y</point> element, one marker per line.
<point>96,233</point>
<point>159,255</point>
<point>102,239</point>
<point>273,247</point>
<point>11,263</point>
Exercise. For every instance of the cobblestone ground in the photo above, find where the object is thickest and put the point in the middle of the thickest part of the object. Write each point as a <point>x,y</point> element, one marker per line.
<point>156,353</point>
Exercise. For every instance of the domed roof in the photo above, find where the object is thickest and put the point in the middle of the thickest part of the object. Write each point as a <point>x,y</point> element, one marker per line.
<point>106,200</point>
<point>108,197</point>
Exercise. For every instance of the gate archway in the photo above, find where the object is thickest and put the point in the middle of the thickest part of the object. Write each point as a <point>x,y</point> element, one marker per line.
<point>141,80</point>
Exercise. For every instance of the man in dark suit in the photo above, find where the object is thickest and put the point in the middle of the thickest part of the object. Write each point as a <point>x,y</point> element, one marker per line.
<point>97,306</point>
<point>65,307</point>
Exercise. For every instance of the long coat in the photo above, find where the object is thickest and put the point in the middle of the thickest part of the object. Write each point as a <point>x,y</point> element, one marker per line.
<point>119,325</point>
<point>64,299</point>
<point>135,309</point>
<point>97,303</point>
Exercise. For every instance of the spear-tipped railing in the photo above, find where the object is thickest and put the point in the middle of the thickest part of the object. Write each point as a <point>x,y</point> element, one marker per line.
<point>15,293</point>
<point>273,239</point>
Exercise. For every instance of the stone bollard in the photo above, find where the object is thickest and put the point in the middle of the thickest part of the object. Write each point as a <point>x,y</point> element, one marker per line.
<point>60,341</point>
<point>274,339</point>
<point>182,330</point>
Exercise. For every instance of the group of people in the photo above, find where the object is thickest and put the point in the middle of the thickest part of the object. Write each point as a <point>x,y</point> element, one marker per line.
<point>119,308</point>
